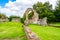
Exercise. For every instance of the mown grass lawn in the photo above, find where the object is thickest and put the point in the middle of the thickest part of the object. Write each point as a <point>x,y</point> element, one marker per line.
<point>56,24</point>
<point>46,33</point>
<point>12,31</point>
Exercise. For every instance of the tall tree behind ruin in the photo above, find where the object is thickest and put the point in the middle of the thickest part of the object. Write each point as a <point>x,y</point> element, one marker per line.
<point>57,11</point>
<point>44,10</point>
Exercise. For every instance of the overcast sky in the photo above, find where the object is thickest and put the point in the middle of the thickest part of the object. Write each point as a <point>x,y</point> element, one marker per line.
<point>18,7</point>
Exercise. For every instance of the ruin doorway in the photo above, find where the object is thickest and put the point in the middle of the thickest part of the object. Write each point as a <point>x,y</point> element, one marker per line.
<point>31,16</point>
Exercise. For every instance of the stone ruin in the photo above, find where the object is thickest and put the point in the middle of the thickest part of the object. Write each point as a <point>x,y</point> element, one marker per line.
<point>15,19</point>
<point>4,20</point>
<point>43,21</point>
<point>35,19</point>
<point>29,34</point>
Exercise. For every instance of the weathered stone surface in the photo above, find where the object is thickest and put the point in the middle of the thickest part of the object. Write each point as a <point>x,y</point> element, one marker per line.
<point>4,20</point>
<point>44,21</point>
<point>35,19</point>
<point>16,20</point>
<point>30,35</point>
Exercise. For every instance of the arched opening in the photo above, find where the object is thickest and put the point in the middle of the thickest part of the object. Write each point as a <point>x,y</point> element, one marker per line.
<point>28,14</point>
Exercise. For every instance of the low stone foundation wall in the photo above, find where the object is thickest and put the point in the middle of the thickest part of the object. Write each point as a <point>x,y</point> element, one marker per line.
<point>30,35</point>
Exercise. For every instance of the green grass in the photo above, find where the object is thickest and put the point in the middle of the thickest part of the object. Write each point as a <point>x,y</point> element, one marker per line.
<point>12,31</point>
<point>46,33</point>
<point>56,24</point>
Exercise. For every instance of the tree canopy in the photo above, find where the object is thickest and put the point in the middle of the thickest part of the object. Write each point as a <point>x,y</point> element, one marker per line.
<point>44,10</point>
<point>57,12</point>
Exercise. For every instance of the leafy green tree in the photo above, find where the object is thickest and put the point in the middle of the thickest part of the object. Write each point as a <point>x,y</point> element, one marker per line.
<point>57,12</point>
<point>23,18</point>
<point>44,10</point>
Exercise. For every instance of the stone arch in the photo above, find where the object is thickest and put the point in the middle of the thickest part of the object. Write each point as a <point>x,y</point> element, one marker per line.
<point>27,12</point>
<point>34,17</point>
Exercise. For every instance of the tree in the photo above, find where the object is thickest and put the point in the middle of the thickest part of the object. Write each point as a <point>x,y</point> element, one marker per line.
<point>44,10</point>
<point>57,12</point>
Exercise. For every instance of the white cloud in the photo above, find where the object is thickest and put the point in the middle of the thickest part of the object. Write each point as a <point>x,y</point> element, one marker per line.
<point>18,7</point>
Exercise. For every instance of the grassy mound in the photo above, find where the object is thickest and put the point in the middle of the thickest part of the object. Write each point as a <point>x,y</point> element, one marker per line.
<point>46,33</point>
<point>12,31</point>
